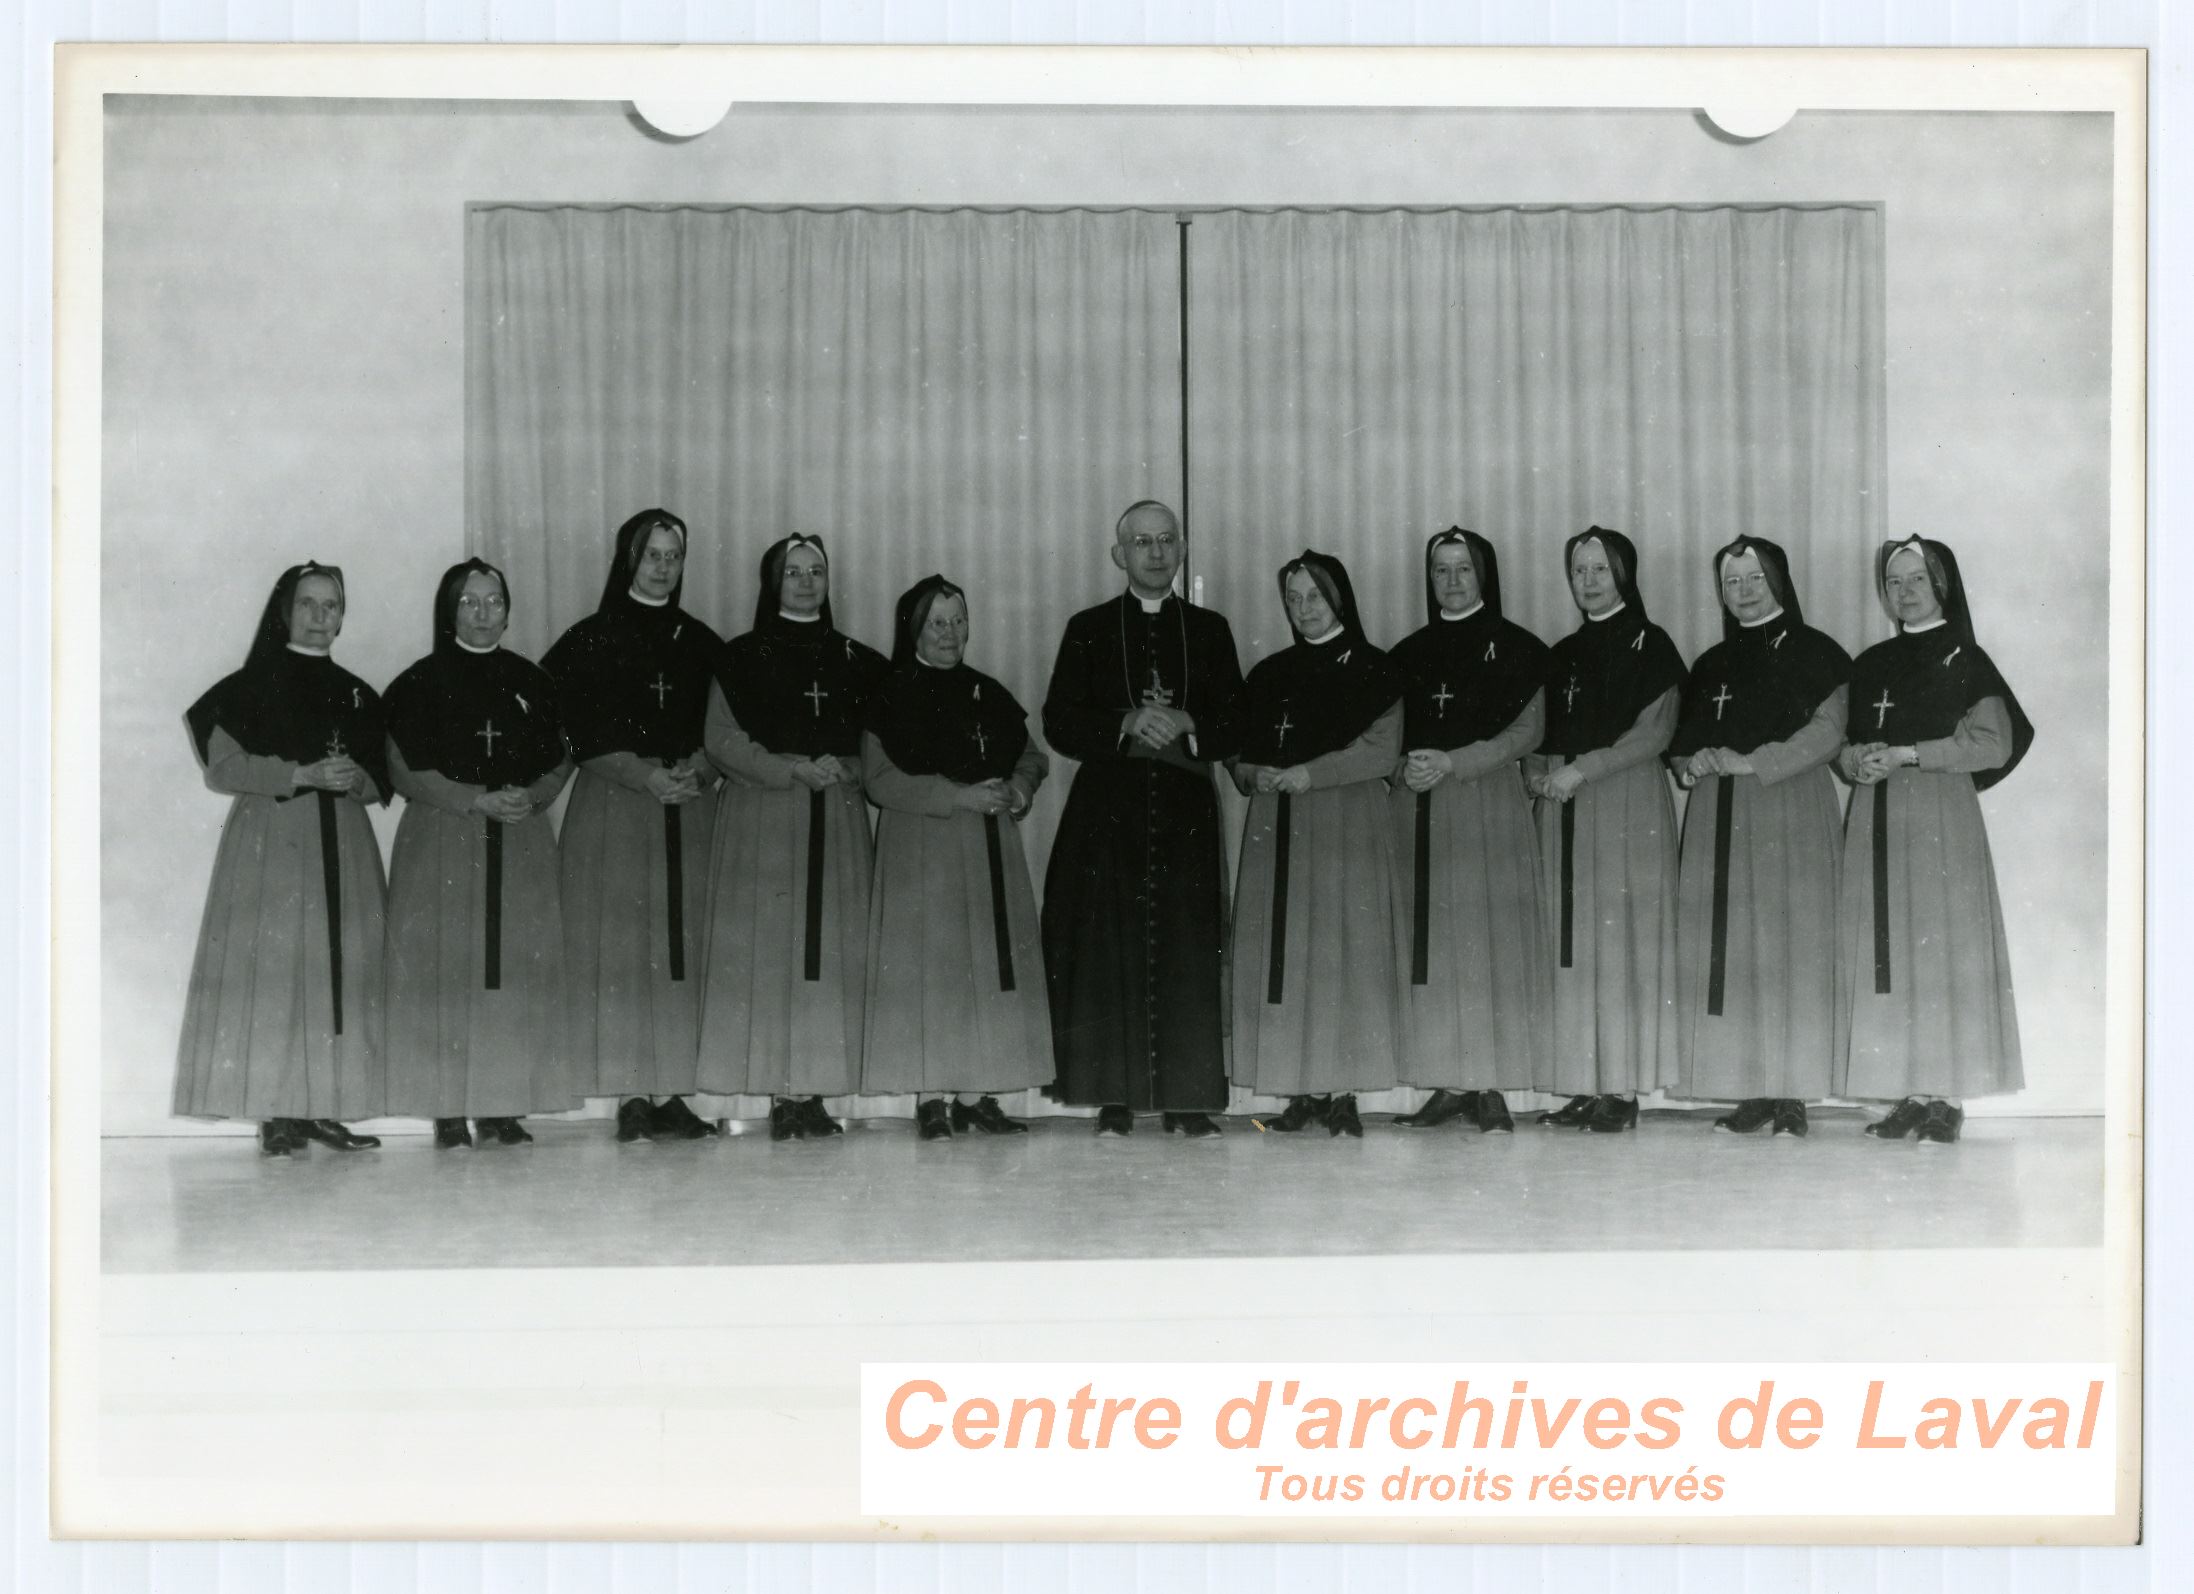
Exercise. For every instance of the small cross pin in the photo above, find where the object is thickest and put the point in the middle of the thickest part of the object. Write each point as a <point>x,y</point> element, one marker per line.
<point>1284,727</point>
<point>661,689</point>
<point>1721,700</point>
<point>1569,697</point>
<point>815,695</point>
<point>982,743</point>
<point>488,735</point>
<point>1881,709</point>
<point>1442,697</point>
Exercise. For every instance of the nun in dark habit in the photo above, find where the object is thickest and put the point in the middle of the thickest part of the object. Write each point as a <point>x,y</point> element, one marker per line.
<point>786,956</point>
<point>1316,954</point>
<point>957,1002</point>
<point>476,938</point>
<point>1477,984</point>
<point>283,1021</point>
<point>1762,719</point>
<point>1607,843</point>
<point>632,682</point>
<point>1925,1013</point>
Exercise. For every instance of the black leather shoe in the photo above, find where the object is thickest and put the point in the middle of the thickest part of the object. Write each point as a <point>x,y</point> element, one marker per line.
<point>1570,1115</point>
<point>635,1120</point>
<point>450,1133</point>
<point>1491,1114</point>
<point>275,1139</point>
<point>504,1131</point>
<point>932,1119</point>
<point>1439,1107</point>
<point>1611,1115</point>
<point>1903,1118</point>
<point>1195,1125</point>
<point>674,1120</point>
<point>1302,1111</point>
<point>1941,1126</point>
<point>1115,1121</point>
<point>1754,1112</point>
<point>818,1122</point>
<point>1341,1117</point>
<point>330,1133</point>
<point>1790,1118</point>
<point>987,1116</point>
<point>784,1120</point>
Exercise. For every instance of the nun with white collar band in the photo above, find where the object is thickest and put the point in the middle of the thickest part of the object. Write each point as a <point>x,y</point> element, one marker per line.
<point>1924,972</point>
<point>786,957</point>
<point>476,1022</point>
<point>1763,717</point>
<point>1607,843</point>
<point>1317,947</point>
<point>1477,1007</point>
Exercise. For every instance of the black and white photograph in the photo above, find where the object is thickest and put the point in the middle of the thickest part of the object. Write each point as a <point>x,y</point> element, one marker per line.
<point>1381,710</point>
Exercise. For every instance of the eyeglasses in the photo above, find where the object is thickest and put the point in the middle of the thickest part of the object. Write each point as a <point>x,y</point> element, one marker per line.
<point>481,608</point>
<point>1751,583</point>
<point>1164,540</point>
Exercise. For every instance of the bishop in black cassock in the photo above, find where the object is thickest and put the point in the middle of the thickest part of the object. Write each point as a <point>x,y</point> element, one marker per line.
<point>1146,694</point>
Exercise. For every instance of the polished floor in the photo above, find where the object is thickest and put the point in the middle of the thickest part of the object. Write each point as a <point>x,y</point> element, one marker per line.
<point>877,1195</point>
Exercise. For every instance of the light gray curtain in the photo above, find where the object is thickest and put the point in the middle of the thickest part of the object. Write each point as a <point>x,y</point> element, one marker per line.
<point>1362,380</point>
<point>981,393</point>
<point>977,393</point>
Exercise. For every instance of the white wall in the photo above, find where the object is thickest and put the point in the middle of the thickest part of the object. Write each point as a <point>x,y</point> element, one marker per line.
<point>285,372</point>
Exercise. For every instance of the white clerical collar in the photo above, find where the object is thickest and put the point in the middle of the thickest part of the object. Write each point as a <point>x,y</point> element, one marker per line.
<point>1150,605</point>
<point>637,596</point>
<point>800,619</point>
<point>1927,625</point>
<point>310,653</point>
<point>927,665</point>
<point>1765,619</point>
<point>469,648</point>
<point>1465,614</point>
<point>1321,641</point>
<point>1620,606</point>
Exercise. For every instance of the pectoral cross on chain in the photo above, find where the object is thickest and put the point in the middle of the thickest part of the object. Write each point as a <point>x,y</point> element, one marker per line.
<point>1283,728</point>
<point>488,735</point>
<point>815,695</point>
<point>661,689</point>
<point>1721,700</point>
<point>1157,694</point>
<point>1442,697</point>
<point>1881,709</point>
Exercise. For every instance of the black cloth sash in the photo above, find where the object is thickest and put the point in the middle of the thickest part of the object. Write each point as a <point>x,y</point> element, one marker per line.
<point>1881,887</point>
<point>1569,879</point>
<point>1000,931</point>
<point>331,883</point>
<point>494,981</point>
<point>674,888</point>
<point>1276,977</point>
<point>1725,802</point>
<point>1420,950</point>
<point>811,967</point>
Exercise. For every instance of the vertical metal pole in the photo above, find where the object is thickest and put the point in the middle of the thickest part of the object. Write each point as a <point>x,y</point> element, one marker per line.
<point>1188,547</point>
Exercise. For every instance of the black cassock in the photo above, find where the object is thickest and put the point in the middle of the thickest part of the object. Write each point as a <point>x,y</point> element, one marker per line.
<point>1135,895</point>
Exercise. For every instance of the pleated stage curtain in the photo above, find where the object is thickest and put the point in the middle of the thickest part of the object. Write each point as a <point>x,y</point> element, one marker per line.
<point>977,393</point>
<point>981,393</point>
<point>1362,380</point>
